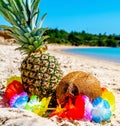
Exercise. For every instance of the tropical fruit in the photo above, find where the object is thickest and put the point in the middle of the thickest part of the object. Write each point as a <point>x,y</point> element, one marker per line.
<point>40,72</point>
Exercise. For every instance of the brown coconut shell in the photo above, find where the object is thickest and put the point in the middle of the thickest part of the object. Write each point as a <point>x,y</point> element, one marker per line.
<point>78,82</point>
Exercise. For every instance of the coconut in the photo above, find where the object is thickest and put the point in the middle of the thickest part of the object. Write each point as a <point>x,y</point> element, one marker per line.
<point>78,82</point>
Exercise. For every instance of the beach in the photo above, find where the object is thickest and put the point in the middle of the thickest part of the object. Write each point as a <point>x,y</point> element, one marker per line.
<point>108,73</point>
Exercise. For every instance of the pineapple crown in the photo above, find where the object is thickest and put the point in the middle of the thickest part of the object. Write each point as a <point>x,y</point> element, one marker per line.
<point>23,15</point>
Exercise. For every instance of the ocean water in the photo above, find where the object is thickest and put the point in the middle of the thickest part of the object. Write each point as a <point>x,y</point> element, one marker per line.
<point>110,54</point>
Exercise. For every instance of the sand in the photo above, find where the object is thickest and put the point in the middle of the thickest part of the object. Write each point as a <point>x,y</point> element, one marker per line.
<point>108,73</point>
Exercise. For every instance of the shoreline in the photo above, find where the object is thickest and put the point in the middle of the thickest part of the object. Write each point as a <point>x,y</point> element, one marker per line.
<point>117,60</point>
<point>63,49</point>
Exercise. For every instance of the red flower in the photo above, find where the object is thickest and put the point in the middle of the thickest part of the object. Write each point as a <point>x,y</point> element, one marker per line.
<point>70,110</point>
<point>15,87</point>
<point>76,112</point>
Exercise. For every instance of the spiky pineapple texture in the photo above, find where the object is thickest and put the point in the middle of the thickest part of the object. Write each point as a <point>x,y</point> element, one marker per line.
<point>40,71</point>
<point>40,74</point>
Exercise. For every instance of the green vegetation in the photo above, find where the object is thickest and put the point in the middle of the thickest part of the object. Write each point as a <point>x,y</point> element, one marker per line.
<point>82,38</point>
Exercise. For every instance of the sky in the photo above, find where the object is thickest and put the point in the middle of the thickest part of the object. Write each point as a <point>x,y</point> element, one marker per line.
<point>92,16</point>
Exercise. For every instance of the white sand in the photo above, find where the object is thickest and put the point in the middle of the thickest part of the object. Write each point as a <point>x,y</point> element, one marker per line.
<point>108,73</point>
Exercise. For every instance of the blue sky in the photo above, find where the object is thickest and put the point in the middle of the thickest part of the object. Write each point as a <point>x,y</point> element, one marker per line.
<point>93,16</point>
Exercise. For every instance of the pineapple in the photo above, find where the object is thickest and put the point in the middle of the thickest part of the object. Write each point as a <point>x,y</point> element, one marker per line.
<point>40,72</point>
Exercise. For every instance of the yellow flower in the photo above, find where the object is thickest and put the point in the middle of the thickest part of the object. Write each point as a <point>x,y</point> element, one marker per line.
<point>41,108</point>
<point>11,79</point>
<point>109,96</point>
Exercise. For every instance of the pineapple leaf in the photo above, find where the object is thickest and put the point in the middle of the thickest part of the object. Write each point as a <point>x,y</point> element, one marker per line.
<point>43,38</point>
<point>15,33</point>
<point>33,19</point>
<point>6,1</point>
<point>14,4</point>
<point>39,24</point>
<point>9,13</point>
<point>31,48</point>
<point>4,13</point>
<point>26,24</point>
<point>19,38</point>
<point>27,35</point>
<point>31,40</point>
<point>36,38</point>
<point>33,32</point>
<point>24,39</point>
<point>37,44</point>
<point>17,30</point>
<point>15,9</point>
<point>7,28</point>
<point>29,5</point>
<point>34,5</point>
<point>25,12</point>
<point>3,3</point>
<point>35,11</point>
<point>28,12</point>
<point>12,18</point>
<point>26,48</point>
<point>41,31</point>
<point>14,36</point>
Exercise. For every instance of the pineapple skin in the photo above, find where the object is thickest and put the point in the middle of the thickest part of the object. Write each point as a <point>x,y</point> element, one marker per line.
<point>40,75</point>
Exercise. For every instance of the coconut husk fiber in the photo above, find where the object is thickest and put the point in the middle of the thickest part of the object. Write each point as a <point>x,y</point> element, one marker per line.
<point>78,82</point>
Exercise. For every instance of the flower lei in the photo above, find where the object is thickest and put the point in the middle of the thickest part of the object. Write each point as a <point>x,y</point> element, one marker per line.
<point>98,110</point>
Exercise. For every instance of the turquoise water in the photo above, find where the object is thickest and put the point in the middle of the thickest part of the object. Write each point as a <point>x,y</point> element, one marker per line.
<point>111,54</point>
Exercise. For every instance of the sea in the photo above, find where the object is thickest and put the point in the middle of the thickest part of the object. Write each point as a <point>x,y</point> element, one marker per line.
<point>105,53</point>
